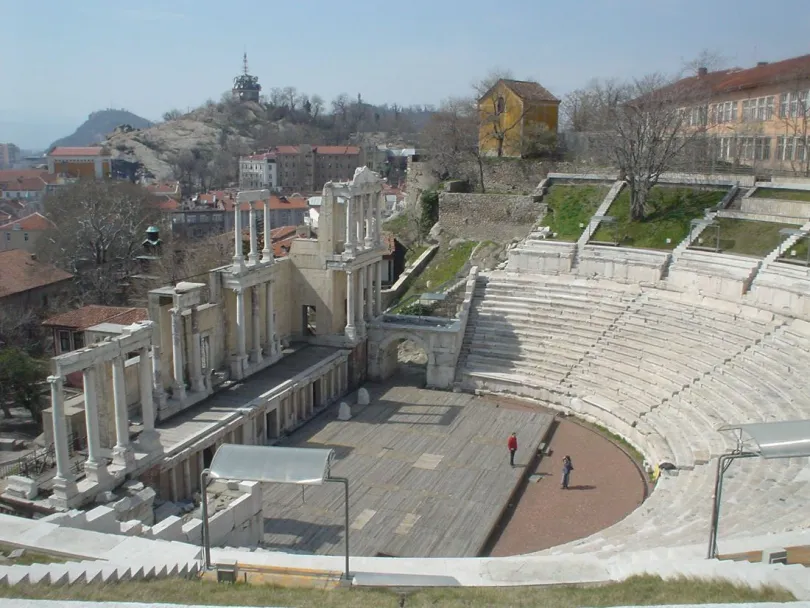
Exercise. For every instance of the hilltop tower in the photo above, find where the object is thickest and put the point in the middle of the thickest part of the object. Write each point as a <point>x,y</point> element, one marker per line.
<point>245,86</point>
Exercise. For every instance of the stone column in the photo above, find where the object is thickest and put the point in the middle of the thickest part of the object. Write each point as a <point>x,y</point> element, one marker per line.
<point>378,288</point>
<point>255,324</point>
<point>197,380</point>
<point>241,353</point>
<point>267,250</point>
<point>360,308</point>
<point>351,293</point>
<point>377,217</point>
<point>95,467</point>
<point>122,452</point>
<point>64,484</point>
<point>350,229</point>
<point>370,290</point>
<point>369,208</point>
<point>271,348</point>
<point>361,220</point>
<point>188,483</point>
<point>177,354</point>
<point>149,439</point>
<point>238,258</point>
<point>253,256</point>
<point>158,394</point>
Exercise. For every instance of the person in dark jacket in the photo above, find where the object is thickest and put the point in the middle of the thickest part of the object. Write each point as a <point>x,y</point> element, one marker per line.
<point>566,471</point>
<point>511,443</point>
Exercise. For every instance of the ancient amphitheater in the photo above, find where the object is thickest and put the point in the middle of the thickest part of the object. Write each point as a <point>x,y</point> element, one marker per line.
<point>662,348</point>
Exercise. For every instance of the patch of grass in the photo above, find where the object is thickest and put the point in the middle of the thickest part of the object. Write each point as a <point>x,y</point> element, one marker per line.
<point>400,227</point>
<point>639,590</point>
<point>782,194</point>
<point>800,248</point>
<point>669,213</point>
<point>413,253</point>
<point>29,557</point>
<point>744,237</point>
<point>443,267</point>
<point>570,206</point>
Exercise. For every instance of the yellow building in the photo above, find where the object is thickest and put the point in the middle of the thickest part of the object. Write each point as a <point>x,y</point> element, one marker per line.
<point>514,116</point>
<point>91,162</point>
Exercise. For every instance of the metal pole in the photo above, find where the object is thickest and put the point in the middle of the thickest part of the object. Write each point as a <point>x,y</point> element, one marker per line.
<point>345,482</point>
<point>205,535</point>
<point>722,466</point>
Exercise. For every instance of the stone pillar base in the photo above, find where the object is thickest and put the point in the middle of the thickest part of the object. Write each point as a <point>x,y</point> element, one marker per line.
<point>198,385</point>
<point>351,332</point>
<point>95,472</point>
<point>149,442</point>
<point>124,457</point>
<point>64,492</point>
<point>238,366</point>
<point>256,355</point>
<point>179,392</point>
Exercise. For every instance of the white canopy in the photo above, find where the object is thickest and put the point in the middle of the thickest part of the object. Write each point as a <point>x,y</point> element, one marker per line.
<point>787,439</point>
<point>303,466</point>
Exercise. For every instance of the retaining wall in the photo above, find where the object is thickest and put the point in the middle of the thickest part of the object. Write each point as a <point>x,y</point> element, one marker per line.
<point>488,217</point>
<point>407,277</point>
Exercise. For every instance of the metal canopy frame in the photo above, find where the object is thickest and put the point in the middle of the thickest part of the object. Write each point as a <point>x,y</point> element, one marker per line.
<point>270,464</point>
<point>784,439</point>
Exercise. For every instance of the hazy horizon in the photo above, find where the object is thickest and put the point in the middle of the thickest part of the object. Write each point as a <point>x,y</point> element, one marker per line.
<point>157,56</point>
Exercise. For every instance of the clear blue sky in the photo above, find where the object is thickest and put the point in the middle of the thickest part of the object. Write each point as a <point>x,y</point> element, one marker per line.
<point>63,60</point>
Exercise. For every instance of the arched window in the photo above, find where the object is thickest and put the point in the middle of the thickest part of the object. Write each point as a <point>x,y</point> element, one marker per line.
<point>500,105</point>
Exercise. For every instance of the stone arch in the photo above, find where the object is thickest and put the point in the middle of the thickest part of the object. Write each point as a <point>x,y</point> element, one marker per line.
<point>382,355</point>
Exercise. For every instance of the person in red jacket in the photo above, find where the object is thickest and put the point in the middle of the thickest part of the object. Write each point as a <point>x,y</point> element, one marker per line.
<point>512,445</point>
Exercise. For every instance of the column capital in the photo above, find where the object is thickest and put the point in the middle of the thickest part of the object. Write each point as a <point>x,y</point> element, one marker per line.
<point>56,379</point>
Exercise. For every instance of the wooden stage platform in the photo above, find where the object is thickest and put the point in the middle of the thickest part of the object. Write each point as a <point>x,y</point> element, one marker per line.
<point>429,476</point>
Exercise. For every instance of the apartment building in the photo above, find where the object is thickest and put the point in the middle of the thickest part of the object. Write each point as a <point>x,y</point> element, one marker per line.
<point>302,169</point>
<point>9,156</point>
<point>756,117</point>
<point>258,172</point>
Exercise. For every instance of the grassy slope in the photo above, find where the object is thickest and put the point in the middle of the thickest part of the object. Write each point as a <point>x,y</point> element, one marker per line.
<point>570,206</point>
<point>669,212</point>
<point>29,557</point>
<point>782,194</point>
<point>634,591</point>
<point>745,237</point>
<point>444,266</point>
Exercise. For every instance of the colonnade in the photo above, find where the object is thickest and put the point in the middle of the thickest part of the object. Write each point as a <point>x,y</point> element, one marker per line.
<point>363,221</point>
<point>363,297</point>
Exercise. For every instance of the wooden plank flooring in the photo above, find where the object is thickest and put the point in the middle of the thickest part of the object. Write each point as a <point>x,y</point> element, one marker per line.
<point>428,476</point>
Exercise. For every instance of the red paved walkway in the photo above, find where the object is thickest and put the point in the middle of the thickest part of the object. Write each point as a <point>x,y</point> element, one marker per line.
<point>605,486</point>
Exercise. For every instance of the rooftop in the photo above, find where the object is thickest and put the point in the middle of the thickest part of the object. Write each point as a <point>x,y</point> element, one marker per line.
<point>35,221</point>
<point>20,272</point>
<point>63,151</point>
<point>27,184</point>
<point>88,316</point>
<point>526,90</point>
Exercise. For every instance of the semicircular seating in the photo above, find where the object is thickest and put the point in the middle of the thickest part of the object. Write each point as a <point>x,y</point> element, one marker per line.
<point>663,370</point>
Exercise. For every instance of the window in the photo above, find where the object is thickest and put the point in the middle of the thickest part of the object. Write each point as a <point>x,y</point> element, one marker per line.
<point>191,218</point>
<point>500,106</point>
<point>696,117</point>
<point>790,148</point>
<point>793,105</point>
<point>64,341</point>
<point>723,112</point>
<point>758,109</point>
<point>8,236</point>
<point>755,148</point>
<point>78,340</point>
<point>25,236</point>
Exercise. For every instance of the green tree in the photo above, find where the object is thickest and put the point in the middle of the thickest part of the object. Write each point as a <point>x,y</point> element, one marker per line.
<point>20,376</point>
<point>429,211</point>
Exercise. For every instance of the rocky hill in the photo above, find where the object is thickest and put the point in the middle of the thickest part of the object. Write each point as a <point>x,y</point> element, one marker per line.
<point>98,125</point>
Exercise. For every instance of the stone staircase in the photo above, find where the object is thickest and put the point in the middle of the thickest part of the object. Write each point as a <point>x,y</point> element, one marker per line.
<point>87,571</point>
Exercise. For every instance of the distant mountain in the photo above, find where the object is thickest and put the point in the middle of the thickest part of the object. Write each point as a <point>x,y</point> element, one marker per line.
<point>98,125</point>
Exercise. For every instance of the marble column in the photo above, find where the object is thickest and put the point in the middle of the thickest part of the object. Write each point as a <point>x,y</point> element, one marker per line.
<point>255,324</point>
<point>253,256</point>
<point>267,250</point>
<point>378,197</point>
<point>361,217</point>
<point>64,482</point>
<point>370,291</point>
<point>122,452</point>
<point>95,467</point>
<point>197,379</point>
<point>271,348</point>
<point>241,352</point>
<point>369,208</point>
<point>188,483</point>
<point>238,258</point>
<point>360,308</point>
<point>149,439</point>
<point>378,308</point>
<point>350,229</point>
<point>351,293</point>
<point>177,354</point>
<point>158,394</point>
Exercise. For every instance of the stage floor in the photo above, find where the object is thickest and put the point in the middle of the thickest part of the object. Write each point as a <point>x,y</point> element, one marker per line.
<point>428,471</point>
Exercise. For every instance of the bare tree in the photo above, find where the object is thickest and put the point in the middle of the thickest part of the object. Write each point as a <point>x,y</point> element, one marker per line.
<point>793,110</point>
<point>290,97</point>
<point>487,82</point>
<point>645,126</point>
<point>451,139</point>
<point>276,97</point>
<point>186,260</point>
<point>100,227</point>
<point>317,105</point>
<point>708,59</point>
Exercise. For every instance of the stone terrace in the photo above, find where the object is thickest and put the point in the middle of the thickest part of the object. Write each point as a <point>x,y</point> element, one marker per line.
<point>429,476</point>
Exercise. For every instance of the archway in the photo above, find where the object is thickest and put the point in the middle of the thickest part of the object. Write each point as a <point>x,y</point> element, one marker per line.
<point>402,353</point>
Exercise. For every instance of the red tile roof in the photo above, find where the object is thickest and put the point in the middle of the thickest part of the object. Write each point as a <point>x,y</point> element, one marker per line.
<point>276,202</point>
<point>19,272</point>
<point>33,222</point>
<point>263,156</point>
<point>14,174</point>
<point>77,151</point>
<point>282,238</point>
<point>164,189</point>
<point>23,184</point>
<point>348,150</point>
<point>88,316</point>
<point>526,90</point>
<point>4,217</point>
<point>285,150</point>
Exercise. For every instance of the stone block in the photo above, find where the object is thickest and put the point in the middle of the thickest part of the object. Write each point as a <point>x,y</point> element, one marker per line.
<point>131,528</point>
<point>220,526</point>
<point>363,397</point>
<point>192,530</point>
<point>9,445</point>
<point>170,528</point>
<point>102,519</point>
<point>344,411</point>
<point>103,498</point>
<point>22,487</point>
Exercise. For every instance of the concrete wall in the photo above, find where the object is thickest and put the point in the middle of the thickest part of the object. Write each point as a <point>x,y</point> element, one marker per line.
<point>775,206</point>
<point>488,217</point>
<point>622,264</point>
<point>407,277</point>
<point>544,257</point>
<point>760,217</point>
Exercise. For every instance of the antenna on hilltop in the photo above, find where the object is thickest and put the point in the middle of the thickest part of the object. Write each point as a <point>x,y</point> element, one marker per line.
<point>244,63</point>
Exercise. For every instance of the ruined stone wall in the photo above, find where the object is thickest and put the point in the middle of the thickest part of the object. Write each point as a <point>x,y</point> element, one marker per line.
<point>488,217</point>
<point>514,175</point>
